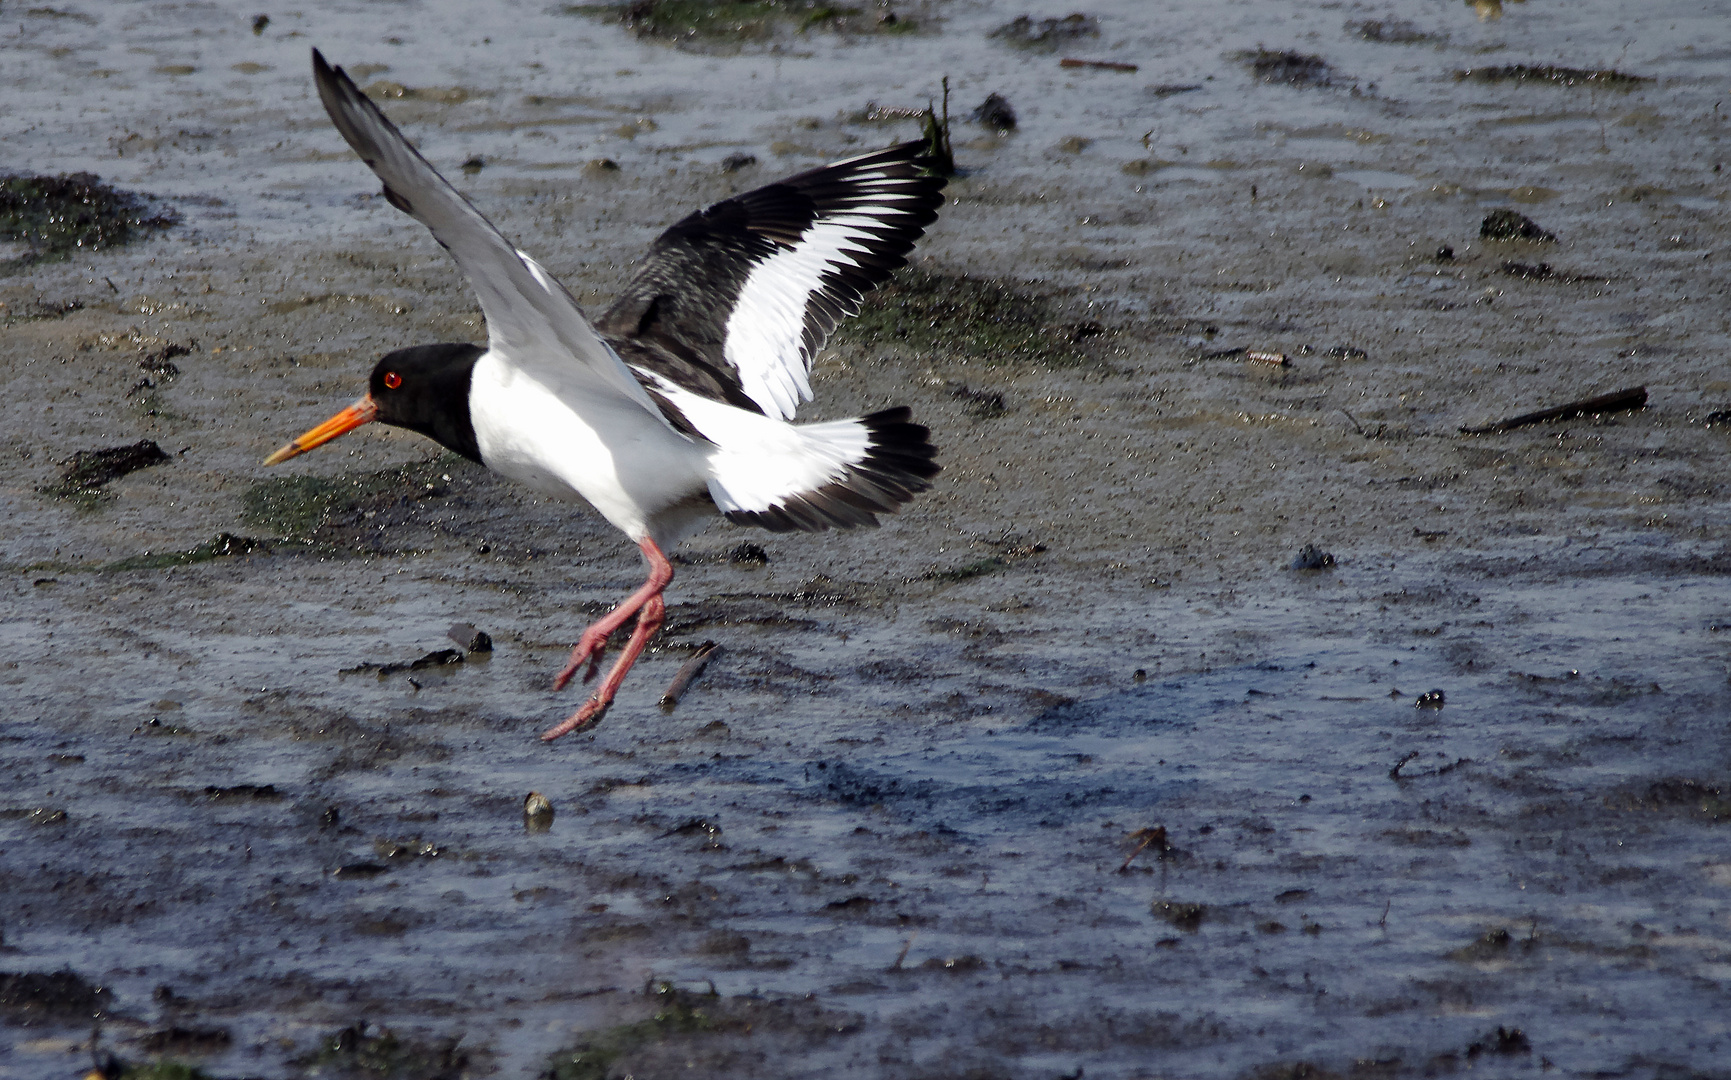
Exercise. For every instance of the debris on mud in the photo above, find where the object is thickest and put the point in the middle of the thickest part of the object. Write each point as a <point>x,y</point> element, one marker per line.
<point>732,163</point>
<point>161,362</point>
<point>1311,557</point>
<point>57,215</point>
<point>1430,699</point>
<point>1287,66</point>
<point>30,997</point>
<point>88,470</point>
<point>688,672</point>
<point>537,813</point>
<point>1493,944</point>
<point>1546,272</point>
<point>1347,352</point>
<point>995,112</point>
<point>265,792</point>
<point>1394,32</point>
<point>1149,838</point>
<point>935,130</point>
<point>1098,65</point>
<point>366,1050</point>
<point>1617,401</point>
<point>436,658</point>
<point>1046,35</point>
<point>979,404</point>
<point>1550,73</point>
<point>467,637</point>
<point>181,1041</point>
<point>1267,357</point>
<point>364,513</point>
<point>957,315</point>
<point>1505,224</point>
<point>748,554</point>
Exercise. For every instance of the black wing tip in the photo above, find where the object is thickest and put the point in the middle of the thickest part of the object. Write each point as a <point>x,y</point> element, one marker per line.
<point>898,464</point>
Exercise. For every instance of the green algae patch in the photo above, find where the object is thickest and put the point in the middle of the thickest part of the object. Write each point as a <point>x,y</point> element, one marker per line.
<point>959,316</point>
<point>59,215</point>
<point>221,546</point>
<point>363,1050</point>
<point>678,1013</point>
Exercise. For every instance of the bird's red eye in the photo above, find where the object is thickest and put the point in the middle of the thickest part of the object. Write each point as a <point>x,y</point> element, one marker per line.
<point>393,380</point>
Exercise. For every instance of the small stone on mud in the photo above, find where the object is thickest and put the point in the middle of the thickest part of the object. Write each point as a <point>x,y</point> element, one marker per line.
<point>1506,224</point>
<point>466,636</point>
<point>259,22</point>
<point>537,813</point>
<point>1311,557</point>
<point>995,112</point>
<point>601,167</point>
<point>732,163</point>
<point>360,870</point>
<point>47,815</point>
<point>1430,699</point>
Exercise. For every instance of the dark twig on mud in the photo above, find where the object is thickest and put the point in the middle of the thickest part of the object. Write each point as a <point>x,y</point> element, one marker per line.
<point>692,669</point>
<point>1104,65</point>
<point>1394,773</point>
<point>1620,401</point>
<point>903,955</point>
<point>1156,835</point>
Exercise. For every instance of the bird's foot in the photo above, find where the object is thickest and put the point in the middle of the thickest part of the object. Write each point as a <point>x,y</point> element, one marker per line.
<point>589,650</point>
<point>588,716</point>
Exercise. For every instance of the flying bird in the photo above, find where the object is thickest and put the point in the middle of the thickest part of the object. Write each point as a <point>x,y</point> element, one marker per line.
<point>677,404</point>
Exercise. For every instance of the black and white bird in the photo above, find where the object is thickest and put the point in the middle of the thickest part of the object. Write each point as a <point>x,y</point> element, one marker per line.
<point>678,403</point>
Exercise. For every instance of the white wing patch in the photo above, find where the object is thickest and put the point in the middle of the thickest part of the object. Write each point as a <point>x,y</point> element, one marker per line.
<point>767,331</point>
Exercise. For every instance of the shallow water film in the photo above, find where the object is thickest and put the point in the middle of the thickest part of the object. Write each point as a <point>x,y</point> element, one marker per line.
<point>1227,709</point>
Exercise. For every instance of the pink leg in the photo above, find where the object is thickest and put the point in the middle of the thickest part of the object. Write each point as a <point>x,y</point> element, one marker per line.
<point>651,611</point>
<point>594,640</point>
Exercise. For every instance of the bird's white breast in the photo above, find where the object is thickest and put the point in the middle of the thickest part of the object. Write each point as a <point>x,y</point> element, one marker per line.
<point>572,441</point>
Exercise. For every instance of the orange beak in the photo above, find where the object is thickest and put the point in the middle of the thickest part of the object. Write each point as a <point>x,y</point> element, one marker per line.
<point>347,420</point>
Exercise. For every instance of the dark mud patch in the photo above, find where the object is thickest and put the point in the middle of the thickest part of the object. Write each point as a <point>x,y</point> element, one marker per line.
<point>86,471</point>
<point>1394,32</point>
<point>35,997</point>
<point>1287,66</point>
<point>1703,801</point>
<point>723,22</point>
<point>704,1034</point>
<point>1606,78</point>
<point>57,215</point>
<point>978,318</point>
<point>1046,35</point>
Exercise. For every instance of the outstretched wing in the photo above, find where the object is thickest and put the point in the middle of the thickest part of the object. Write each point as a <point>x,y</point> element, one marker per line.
<point>530,316</point>
<point>734,301</point>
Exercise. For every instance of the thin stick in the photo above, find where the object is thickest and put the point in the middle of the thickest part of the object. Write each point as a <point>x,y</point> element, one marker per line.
<point>1394,773</point>
<point>1104,65</point>
<point>1620,401</point>
<point>903,955</point>
<point>691,670</point>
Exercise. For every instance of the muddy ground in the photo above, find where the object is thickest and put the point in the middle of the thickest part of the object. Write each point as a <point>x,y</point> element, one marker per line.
<point>1459,801</point>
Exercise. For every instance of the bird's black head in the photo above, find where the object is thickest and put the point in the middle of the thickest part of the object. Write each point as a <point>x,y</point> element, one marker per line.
<point>426,389</point>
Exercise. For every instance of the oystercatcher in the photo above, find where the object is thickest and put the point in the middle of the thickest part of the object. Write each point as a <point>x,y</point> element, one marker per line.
<point>677,403</point>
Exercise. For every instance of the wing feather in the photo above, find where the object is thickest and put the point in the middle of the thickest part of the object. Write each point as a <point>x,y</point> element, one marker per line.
<point>735,301</point>
<point>530,316</point>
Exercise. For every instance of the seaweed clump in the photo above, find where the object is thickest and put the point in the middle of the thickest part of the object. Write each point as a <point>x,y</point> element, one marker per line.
<point>970,317</point>
<point>57,215</point>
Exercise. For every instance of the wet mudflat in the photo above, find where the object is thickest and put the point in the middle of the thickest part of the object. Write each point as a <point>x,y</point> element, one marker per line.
<point>1458,802</point>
